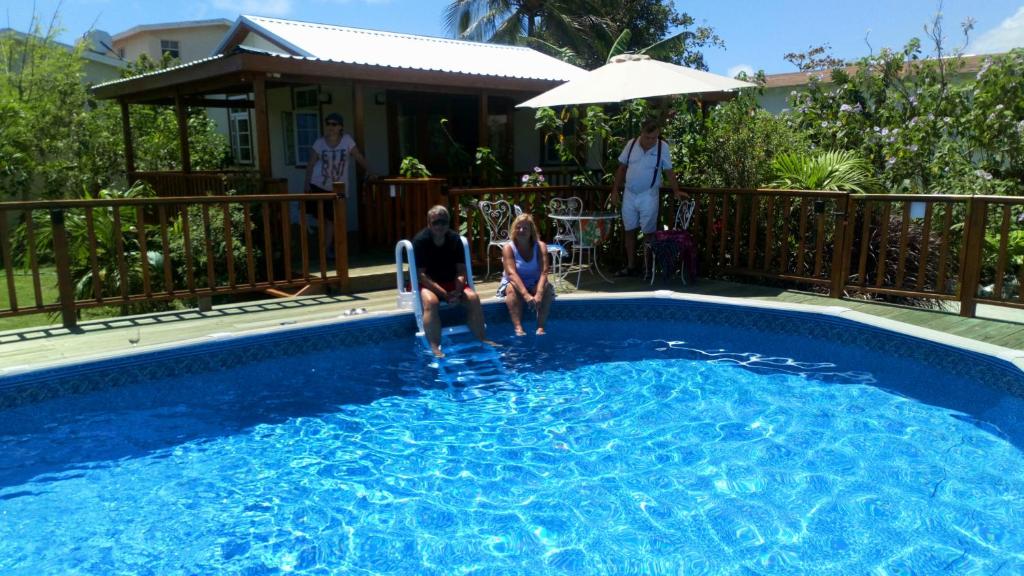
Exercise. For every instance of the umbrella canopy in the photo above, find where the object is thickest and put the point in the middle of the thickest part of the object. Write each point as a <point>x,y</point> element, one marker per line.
<point>631,76</point>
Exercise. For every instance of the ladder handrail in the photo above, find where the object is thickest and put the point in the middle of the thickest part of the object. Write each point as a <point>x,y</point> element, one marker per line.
<point>404,253</point>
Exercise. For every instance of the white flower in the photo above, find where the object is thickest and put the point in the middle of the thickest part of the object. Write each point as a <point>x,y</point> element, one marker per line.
<point>982,174</point>
<point>526,178</point>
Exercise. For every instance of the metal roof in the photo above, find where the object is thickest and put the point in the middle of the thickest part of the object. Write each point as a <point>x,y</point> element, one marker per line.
<point>375,48</point>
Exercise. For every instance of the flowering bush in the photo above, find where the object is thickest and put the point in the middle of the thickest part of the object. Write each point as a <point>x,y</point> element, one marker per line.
<point>534,179</point>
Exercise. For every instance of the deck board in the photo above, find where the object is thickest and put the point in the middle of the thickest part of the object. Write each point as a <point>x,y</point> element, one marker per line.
<point>47,344</point>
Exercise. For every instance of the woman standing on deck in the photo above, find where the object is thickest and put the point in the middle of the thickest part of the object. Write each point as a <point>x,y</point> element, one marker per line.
<point>328,163</point>
<point>525,279</point>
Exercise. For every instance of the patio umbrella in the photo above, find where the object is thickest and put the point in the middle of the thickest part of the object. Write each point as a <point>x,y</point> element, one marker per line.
<point>631,76</point>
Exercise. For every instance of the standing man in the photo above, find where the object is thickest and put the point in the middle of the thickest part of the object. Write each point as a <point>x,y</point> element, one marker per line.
<point>328,163</point>
<point>441,263</point>
<point>640,165</point>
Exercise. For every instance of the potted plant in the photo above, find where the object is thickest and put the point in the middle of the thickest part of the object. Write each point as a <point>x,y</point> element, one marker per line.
<point>413,168</point>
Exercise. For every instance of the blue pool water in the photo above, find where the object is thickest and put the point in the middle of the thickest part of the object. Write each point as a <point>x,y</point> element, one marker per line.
<point>606,447</point>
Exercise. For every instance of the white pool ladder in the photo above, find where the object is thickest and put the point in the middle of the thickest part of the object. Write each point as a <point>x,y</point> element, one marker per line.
<point>465,360</point>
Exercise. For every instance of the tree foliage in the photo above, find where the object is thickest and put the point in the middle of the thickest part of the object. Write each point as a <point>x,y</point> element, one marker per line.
<point>584,32</point>
<point>57,141</point>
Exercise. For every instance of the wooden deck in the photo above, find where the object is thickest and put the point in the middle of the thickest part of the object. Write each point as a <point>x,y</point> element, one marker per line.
<point>1000,326</point>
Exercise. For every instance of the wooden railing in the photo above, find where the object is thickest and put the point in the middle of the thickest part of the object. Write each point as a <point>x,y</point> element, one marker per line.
<point>395,208</point>
<point>121,252</point>
<point>964,248</point>
<point>210,182</point>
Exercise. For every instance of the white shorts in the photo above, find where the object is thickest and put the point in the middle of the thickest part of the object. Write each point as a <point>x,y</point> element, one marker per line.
<point>640,210</point>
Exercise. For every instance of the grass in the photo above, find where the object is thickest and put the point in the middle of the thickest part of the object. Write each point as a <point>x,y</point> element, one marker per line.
<point>25,293</point>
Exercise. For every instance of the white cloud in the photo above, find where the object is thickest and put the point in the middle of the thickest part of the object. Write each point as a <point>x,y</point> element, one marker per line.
<point>255,7</point>
<point>1008,34</point>
<point>740,68</point>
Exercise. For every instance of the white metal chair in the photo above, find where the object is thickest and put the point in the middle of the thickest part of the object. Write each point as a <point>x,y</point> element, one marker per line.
<point>498,216</point>
<point>684,213</point>
<point>567,232</point>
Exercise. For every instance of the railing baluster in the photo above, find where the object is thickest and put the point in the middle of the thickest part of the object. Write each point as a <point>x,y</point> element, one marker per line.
<point>268,241</point>
<point>33,258</point>
<point>94,266</point>
<point>186,236</point>
<point>926,241</point>
<point>769,233</point>
<point>819,243</point>
<point>883,246</point>
<point>865,243</point>
<point>755,213</point>
<point>944,249</point>
<point>250,260</point>
<point>140,228</point>
<point>787,207</point>
<point>168,277</point>
<point>1004,238</point>
<point>321,236</point>
<point>211,276</point>
<point>737,240</point>
<point>902,256</point>
<point>122,263</point>
<point>229,243</point>
<point>304,240</point>
<point>286,239</point>
<point>5,251</point>
<point>801,246</point>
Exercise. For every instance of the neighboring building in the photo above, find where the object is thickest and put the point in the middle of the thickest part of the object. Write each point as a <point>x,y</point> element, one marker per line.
<point>778,87</point>
<point>187,41</point>
<point>99,65</point>
<point>392,89</point>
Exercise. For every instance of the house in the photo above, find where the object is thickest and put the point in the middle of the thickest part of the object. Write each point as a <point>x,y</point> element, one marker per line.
<point>392,89</point>
<point>778,87</point>
<point>187,41</point>
<point>99,66</point>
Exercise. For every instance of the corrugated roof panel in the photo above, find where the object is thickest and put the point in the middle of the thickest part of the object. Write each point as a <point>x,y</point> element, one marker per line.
<point>371,47</point>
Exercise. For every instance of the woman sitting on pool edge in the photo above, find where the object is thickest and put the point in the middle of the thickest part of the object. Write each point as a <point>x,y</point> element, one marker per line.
<point>525,279</point>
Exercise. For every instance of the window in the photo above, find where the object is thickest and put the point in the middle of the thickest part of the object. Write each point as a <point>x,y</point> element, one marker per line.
<point>241,135</point>
<point>170,47</point>
<point>306,97</point>
<point>307,130</point>
<point>120,52</point>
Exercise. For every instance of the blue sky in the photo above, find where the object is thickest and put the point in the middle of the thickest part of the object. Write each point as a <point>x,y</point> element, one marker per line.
<point>757,33</point>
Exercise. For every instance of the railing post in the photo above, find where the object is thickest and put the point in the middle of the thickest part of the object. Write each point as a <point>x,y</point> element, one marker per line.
<point>970,264</point>
<point>841,248</point>
<point>341,236</point>
<point>65,286</point>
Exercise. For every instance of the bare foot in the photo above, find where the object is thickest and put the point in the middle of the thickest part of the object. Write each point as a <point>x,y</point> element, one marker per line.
<point>437,351</point>
<point>520,331</point>
<point>541,332</point>
<point>491,343</point>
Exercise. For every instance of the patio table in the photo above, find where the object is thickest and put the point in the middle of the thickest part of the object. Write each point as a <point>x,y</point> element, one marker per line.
<point>589,230</point>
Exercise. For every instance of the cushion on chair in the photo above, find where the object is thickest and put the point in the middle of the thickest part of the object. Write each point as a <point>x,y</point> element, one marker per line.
<point>672,248</point>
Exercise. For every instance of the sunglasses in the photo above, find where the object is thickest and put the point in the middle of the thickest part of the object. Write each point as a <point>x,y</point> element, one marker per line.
<point>333,124</point>
<point>439,222</point>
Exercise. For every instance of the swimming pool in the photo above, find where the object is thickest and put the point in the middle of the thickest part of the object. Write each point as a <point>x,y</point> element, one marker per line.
<point>641,436</point>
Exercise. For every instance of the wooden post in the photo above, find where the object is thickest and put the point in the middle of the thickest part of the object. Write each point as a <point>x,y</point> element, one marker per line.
<point>65,285</point>
<point>182,113</point>
<point>970,257</point>
<point>259,88</point>
<point>841,248</point>
<point>341,236</point>
<point>129,145</point>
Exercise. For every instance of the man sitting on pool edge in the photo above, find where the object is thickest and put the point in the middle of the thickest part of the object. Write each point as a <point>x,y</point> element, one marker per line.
<point>442,277</point>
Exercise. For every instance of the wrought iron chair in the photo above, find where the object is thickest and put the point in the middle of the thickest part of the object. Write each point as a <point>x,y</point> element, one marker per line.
<point>498,217</point>
<point>567,233</point>
<point>676,245</point>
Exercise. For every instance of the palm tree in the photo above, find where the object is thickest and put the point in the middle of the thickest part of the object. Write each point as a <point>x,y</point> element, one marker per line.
<point>832,170</point>
<point>500,21</point>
